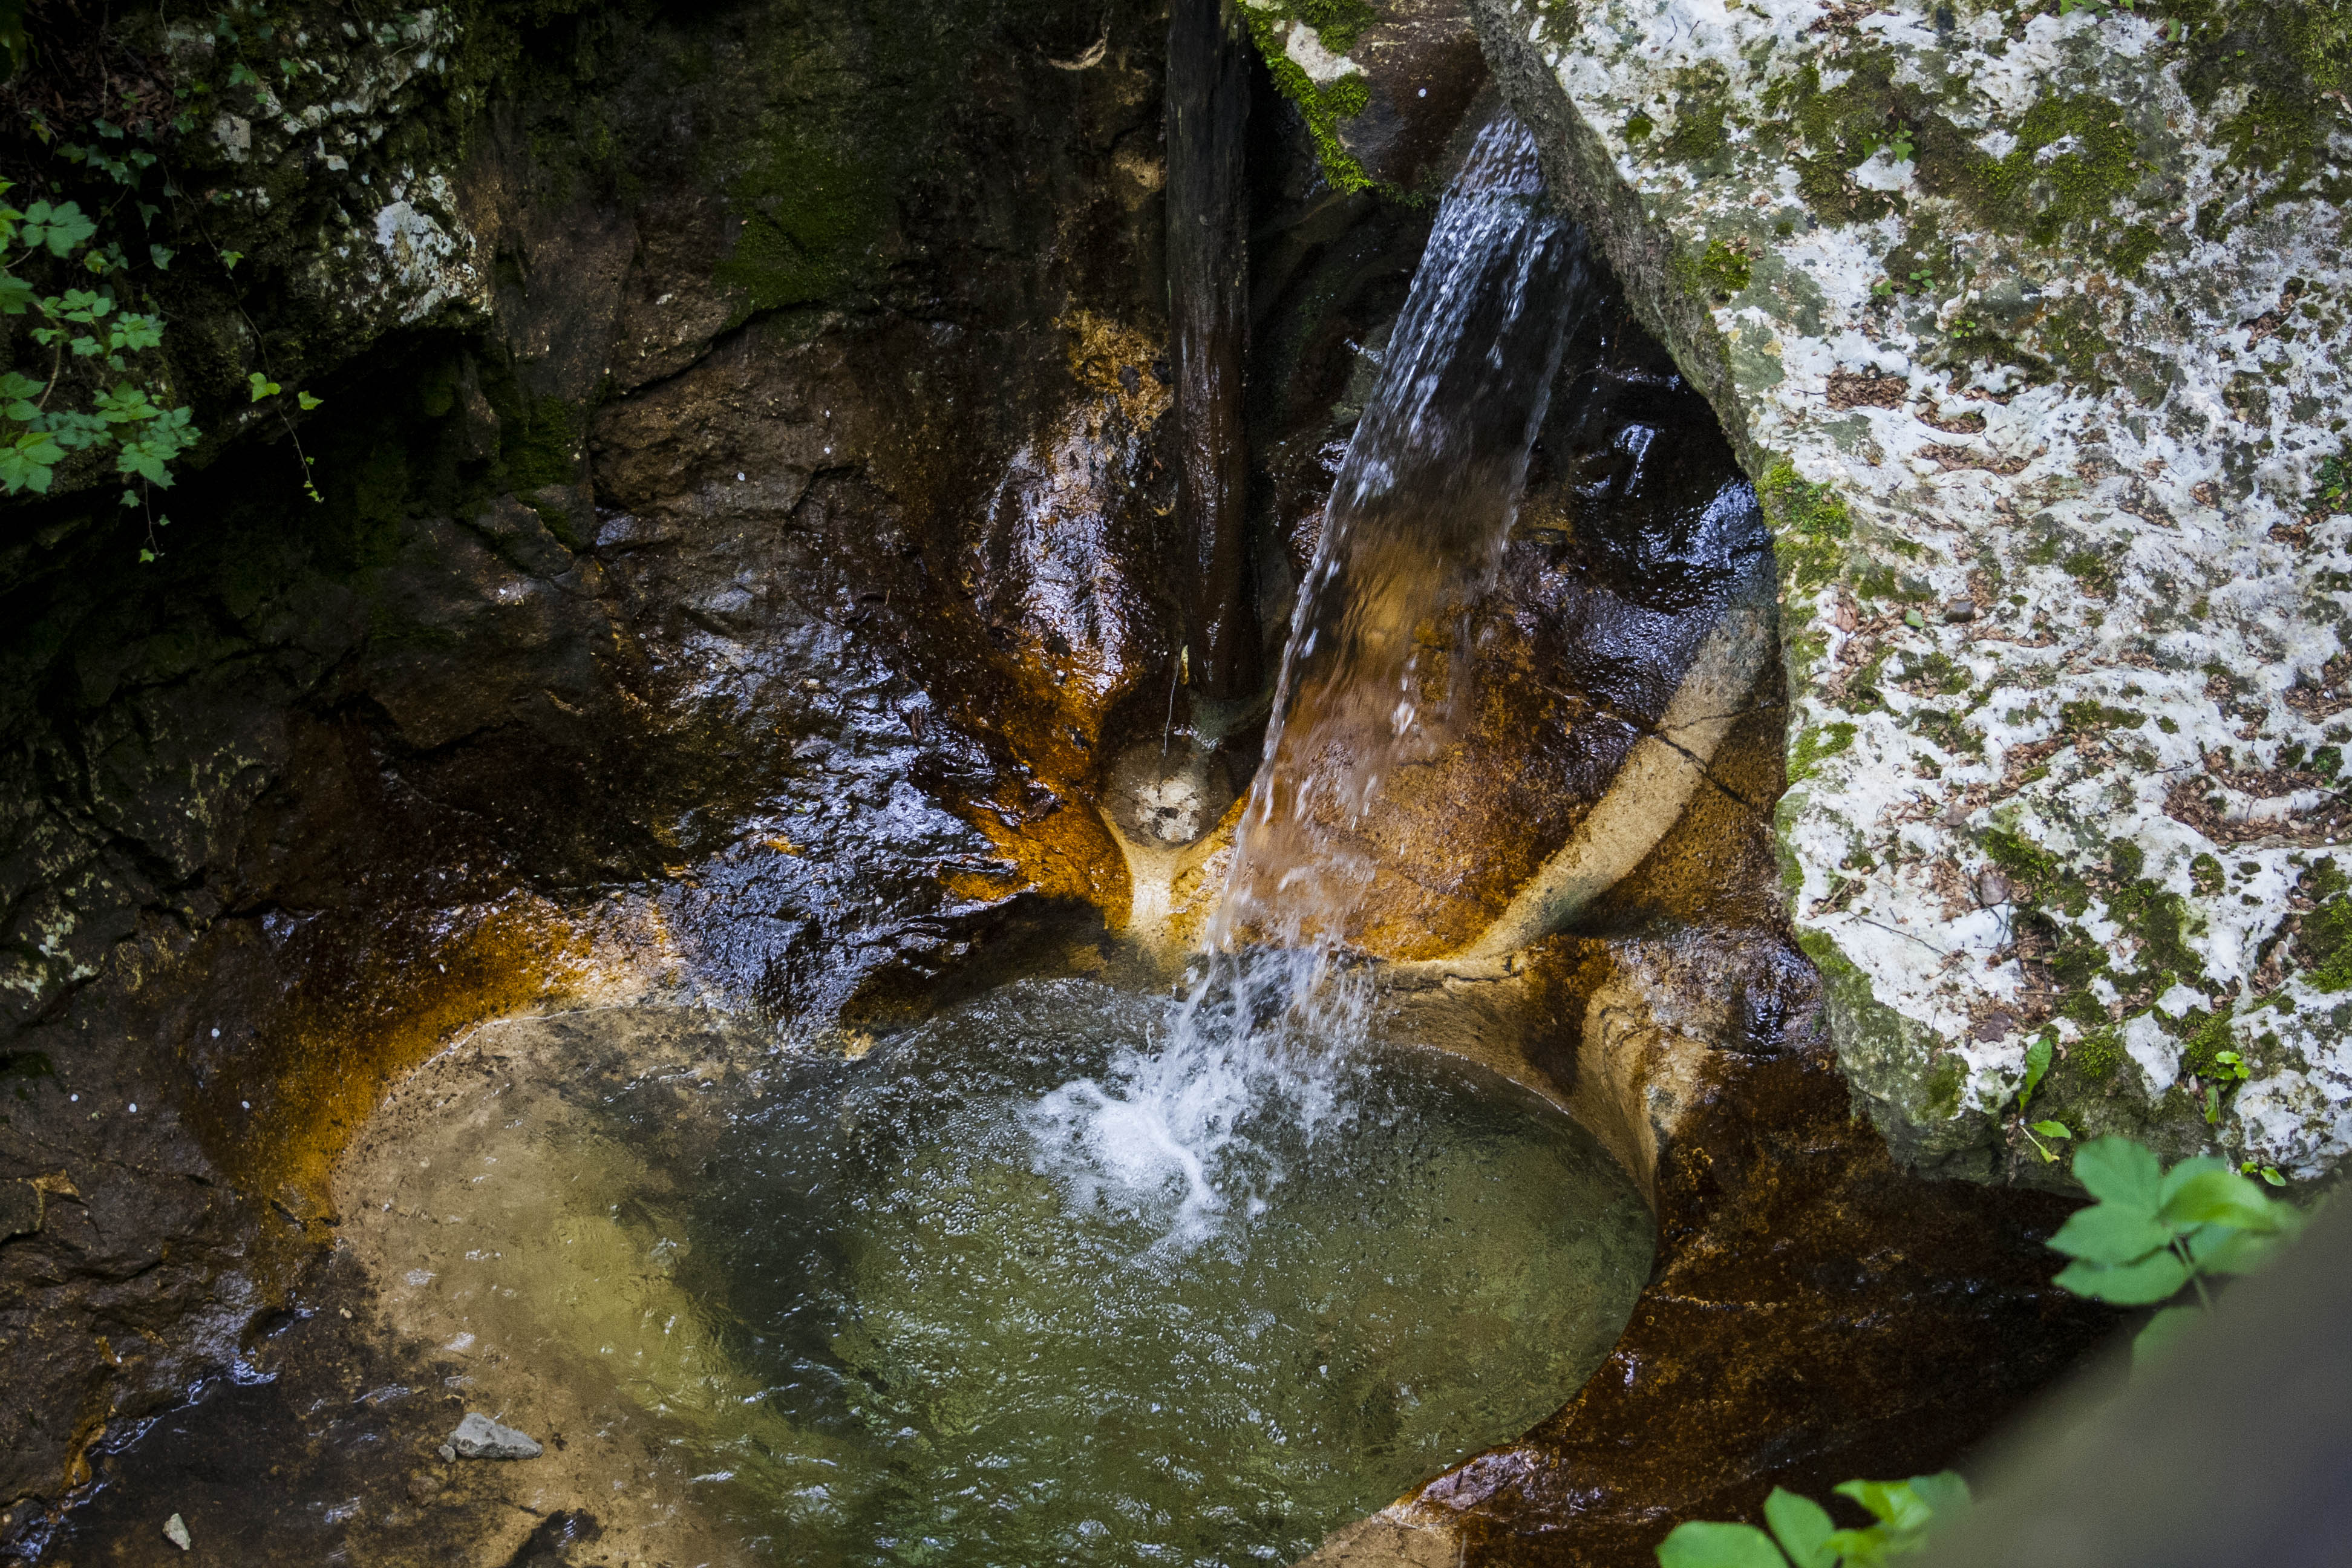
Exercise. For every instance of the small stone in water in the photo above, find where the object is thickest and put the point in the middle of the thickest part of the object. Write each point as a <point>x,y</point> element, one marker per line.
<point>480,1437</point>
<point>1960,610</point>
<point>175,1530</point>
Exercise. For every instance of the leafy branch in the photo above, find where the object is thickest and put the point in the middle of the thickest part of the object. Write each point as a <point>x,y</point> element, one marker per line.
<point>103,393</point>
<point>2154,1234</point>
<point>1804,1535</point>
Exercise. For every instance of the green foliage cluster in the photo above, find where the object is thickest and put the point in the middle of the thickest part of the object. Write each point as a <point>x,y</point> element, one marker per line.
<point>2156,1233</point>
<point>104,386</point>
<point>2332,488</point>
<point>105,391</point>
<point>1804,1535</point>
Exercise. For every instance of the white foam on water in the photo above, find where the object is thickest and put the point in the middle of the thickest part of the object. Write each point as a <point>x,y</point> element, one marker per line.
<point>1194,1128</point>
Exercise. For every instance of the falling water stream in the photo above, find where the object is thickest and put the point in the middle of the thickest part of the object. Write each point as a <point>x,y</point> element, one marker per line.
<point>1072,1274</point>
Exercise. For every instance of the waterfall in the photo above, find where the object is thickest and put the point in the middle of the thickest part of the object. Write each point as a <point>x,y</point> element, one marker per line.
<point>1372,676</point>
<point>1412,539</point>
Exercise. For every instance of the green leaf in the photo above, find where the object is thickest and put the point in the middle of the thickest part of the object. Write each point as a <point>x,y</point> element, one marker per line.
<point>15,295</point>
<point>307,401</point>
<point>161,256</point>
<point>2226,1249</point>
<point>27,463</point>
<point>2188,1169</point>
<point>2141,1284</point>
<point>1894,1503</point>
<point>2119,1170</point>
<point>2160,1331</point>
<point>1861,1548</point>
<point>2053,1130</point>
<point>1700,1544</point>
<point>62,228</point>
<point>1802,1527</point>
<point>2110,1233</point>
<point>262,386</point>
<point>2218,1197</point>
<point>2037,1064</point>
<point>229,259</point>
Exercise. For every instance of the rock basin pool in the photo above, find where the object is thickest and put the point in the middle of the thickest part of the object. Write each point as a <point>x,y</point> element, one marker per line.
<point>1026,1284</point>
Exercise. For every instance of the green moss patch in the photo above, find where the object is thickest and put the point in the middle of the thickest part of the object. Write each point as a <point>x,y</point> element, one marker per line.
<point>1323,105</point>
<point>2324,940</point>
<point>1809,521</point>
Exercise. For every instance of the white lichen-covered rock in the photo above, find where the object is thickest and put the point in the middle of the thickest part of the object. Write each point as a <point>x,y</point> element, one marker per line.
<point>2031,327</point>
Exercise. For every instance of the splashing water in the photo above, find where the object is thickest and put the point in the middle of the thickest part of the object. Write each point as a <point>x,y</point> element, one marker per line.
<point>1413,538</point>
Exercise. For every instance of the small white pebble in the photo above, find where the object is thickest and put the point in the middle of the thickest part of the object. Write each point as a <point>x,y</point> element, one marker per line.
<point>74,1098</point>
<point>246,1103</point>
<point>175,1530</point>
<point>738,479</point>
<point>216,1034</point>
<point>134,1108</point>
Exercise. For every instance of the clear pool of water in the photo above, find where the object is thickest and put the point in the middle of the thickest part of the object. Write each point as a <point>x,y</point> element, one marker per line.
<point>1022,1286</point>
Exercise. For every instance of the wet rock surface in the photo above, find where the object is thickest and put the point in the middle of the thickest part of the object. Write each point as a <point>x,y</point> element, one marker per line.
<point>1816,1314</point>
<point>727,684</point>
<point>2030,326</point>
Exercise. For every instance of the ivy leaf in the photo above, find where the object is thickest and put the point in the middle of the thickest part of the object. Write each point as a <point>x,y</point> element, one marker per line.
<point>307,401</point>
<point>161,256</point>
<point>62,228</point>
<point>1802,1527</point>
<point>229,259</point>
<point>126,405</point>
<point>1700,1544</point>
<point>1893,1503</point>
<point>262,386</point>
<point>2225,1249</point>
<point>2141,1284</point>
<point>2110,1233</point>
<point>2218,1197</point>
<point>25,463</point>
<point>2117,1170</point>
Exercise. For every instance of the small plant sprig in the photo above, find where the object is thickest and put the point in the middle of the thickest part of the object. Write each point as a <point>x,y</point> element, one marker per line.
<point>1804,1536</point>
<point>2037,1067</point>
<point>2156,1233</point>
<point>2335,482</point>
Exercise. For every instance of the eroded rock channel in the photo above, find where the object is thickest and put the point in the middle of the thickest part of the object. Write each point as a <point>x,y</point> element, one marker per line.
<point>679,908</point>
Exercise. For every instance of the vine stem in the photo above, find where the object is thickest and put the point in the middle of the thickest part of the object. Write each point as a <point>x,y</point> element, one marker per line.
<point>260,348</point>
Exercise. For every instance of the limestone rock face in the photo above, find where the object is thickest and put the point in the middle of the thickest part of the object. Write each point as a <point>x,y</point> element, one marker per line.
<point>2030,327</point>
